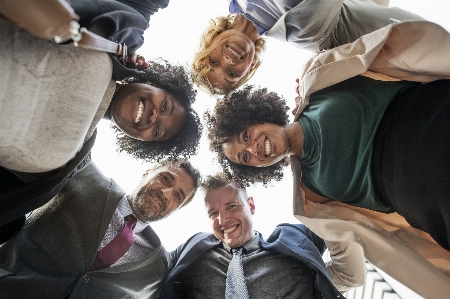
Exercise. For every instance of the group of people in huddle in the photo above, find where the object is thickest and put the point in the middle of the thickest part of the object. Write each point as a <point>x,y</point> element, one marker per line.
<point>369,151</point>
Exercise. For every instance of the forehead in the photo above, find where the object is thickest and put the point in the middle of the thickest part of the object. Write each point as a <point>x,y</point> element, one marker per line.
<point>180,175</point>
<point>231,148</point>
<point>224,195</point>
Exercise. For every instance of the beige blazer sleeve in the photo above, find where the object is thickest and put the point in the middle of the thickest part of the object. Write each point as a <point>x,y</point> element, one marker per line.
<point>416,51</point>
<point>401,51</point>
<point>386,240</point>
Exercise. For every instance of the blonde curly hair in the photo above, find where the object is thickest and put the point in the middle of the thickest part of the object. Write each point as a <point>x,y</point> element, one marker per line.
<point>199,68</point>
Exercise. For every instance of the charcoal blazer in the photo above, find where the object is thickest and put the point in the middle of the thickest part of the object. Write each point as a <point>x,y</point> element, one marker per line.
<point>52,256</point>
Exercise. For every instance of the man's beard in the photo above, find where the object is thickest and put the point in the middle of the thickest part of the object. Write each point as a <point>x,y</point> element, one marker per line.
<point>148,209</point>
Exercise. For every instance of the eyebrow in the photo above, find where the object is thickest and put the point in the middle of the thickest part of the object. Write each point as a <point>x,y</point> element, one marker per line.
<point>238,137</point>
<point>172,104</point>
<point>170,175</point>
<point>172,107</point>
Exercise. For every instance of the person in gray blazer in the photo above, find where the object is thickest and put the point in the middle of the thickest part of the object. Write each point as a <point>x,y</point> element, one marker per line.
<point>232,47</point>
<point>93,241</point>
<point>288,264</point>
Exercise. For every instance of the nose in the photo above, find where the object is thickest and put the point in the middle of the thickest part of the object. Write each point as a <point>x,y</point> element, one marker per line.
<point>167,193</point>
<point>223,218</point>
<point>153,115</point>
<point>253,148</point>
<point>228,60</point>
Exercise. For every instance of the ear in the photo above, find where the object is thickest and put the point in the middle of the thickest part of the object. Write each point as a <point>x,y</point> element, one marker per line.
<point>146,173</point>
<point>251,204</point>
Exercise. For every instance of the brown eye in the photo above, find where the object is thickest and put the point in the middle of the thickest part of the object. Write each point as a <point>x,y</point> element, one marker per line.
<point>245,157</point>
<point>232,75</point>
<point>157,130</point>
<point>213,61</point>
<point>245,136</point>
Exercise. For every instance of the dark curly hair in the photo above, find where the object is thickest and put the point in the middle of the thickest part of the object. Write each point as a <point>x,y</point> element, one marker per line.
<point>176,80</point>
<point>236,112</point>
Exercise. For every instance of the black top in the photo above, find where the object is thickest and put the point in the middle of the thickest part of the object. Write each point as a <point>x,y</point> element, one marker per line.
<point>119,21</point>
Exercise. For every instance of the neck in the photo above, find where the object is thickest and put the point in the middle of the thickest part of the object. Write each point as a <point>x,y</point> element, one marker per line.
<point>246,27</point>
<point>294,134</point>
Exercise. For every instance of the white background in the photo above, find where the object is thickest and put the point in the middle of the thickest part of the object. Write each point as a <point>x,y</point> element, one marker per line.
<point>174,35</point>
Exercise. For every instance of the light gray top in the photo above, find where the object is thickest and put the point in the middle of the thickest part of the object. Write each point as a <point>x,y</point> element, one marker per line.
<point>268,274</point>
<point>51,98</point>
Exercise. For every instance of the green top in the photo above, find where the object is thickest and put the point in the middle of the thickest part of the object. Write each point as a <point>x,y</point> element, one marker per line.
<point>339,125</point>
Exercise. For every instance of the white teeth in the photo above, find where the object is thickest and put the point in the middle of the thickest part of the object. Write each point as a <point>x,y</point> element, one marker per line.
<point>267,147</point>
<point>229,230</point>
<point>139,113</point>
<point>234,53</point>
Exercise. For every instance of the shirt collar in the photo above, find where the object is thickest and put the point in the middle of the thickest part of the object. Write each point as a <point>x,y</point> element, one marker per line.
<point>125,210</point>
<point>251,245</point>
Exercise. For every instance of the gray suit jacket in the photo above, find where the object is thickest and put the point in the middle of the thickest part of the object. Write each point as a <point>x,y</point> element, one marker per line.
<point>325,24</point>
<point>53,254</point>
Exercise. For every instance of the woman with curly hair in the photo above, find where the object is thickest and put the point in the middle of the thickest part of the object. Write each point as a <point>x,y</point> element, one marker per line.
<point>162,123</point>
<point>349,139</point>
<point>151,113</point>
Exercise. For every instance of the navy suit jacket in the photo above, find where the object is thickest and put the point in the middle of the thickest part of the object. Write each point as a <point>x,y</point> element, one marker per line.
<point>293,240</point>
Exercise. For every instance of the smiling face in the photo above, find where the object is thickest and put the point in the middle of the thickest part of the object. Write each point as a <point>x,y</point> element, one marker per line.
<point>230,213</point>
<point>147,113</point>
<point>259,145</point>
<point>160,192</point>
<point>230,60</point>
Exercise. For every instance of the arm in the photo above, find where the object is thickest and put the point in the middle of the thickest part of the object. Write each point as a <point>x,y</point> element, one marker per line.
<point>382,2</point>
<point>345,263</point>
<point>346,266</point>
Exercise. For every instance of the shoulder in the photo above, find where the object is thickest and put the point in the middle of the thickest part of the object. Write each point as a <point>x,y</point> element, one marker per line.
<point>92,182</point>
<point>201,238</point>
<point>293,228</point>
<point>296,235</point>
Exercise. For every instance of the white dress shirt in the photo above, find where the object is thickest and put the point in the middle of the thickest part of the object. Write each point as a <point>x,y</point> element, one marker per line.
<point>140,247</point>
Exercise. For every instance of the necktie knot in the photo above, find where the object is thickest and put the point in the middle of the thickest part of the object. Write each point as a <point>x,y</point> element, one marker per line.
<point>130,221</point>
<point>118,246</point>
<point>235,251</point>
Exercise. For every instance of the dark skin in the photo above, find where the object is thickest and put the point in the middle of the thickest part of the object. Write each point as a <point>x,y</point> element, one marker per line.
<point>136,61</point>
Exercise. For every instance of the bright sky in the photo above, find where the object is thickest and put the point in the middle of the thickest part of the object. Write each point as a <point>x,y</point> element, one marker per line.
<point>174,35</point>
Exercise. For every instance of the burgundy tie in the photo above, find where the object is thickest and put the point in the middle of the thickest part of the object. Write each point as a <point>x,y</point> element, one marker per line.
<point>118,246</point>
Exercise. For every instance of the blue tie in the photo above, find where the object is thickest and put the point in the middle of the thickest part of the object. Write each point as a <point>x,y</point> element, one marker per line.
<point>235,287</point>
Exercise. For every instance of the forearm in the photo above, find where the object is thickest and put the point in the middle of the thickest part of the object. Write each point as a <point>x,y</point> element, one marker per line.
<point>346,267</point>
